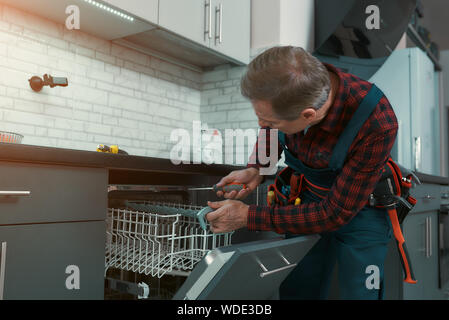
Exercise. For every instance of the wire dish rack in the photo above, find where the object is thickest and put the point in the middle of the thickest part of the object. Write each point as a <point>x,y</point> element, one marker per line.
<point>154,238</point>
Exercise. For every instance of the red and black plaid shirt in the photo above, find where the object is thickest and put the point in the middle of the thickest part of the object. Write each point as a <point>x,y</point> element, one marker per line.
<point>361,171</point>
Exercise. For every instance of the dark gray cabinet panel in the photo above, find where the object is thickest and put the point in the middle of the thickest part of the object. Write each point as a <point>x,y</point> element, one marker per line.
<point>58,193</point>
<point>421,236</point>
<point>428,197</point>
<point>38,257</point>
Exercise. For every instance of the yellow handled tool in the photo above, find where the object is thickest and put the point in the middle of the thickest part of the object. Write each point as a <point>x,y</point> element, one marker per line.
<point>110,149</point>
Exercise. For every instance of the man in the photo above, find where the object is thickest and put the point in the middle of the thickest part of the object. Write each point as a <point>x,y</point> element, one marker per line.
<point>312,104</point>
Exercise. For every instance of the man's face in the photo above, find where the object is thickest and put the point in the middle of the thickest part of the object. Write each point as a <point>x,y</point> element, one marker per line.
<point>267,118</point>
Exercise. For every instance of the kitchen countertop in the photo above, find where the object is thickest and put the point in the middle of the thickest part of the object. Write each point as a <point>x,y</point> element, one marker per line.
<point>129,169</point>
<point>123,169</point>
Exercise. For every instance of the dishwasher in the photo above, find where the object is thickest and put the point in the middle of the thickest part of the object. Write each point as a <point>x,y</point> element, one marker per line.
<point>159,247</point>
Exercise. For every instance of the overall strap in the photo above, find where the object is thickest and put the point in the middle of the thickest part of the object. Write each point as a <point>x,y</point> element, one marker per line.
<point>345,140</point>
<point>290,159</point>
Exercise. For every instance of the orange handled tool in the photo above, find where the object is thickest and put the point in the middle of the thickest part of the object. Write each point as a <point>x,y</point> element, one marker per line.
<point>409,277</point>
<point>227,188</point>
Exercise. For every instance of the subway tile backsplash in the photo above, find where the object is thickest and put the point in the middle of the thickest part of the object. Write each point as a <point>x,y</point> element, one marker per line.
<point>115,95</point>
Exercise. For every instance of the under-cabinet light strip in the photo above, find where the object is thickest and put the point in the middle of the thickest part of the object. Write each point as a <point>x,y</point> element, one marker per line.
<point>110,10</point>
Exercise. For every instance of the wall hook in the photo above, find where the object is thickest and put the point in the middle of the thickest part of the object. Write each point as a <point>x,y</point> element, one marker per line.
<point>37,83</point>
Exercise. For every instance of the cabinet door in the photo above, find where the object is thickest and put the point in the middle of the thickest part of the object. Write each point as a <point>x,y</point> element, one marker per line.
<point>56,193</point>
<point>396,87</point>
<point>420,233</point>
<point>48,261</point>
<point>232,28</point>
<point>145,9</point>
<point>190,19</point>
<point>424,114</point>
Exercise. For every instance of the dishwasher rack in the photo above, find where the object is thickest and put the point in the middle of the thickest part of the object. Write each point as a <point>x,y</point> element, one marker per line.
<point>157,242</point>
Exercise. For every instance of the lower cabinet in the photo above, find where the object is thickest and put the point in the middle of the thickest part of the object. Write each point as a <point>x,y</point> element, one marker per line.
<point>421,237</point>
<point>52,261</point>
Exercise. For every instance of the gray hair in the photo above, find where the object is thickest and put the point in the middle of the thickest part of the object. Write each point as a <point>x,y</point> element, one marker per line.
<point>321,100</point>
<point>288,77</point>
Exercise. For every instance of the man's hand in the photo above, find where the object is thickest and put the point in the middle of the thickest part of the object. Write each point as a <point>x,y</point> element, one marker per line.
<point>229,215</point>
<point>249,176</point>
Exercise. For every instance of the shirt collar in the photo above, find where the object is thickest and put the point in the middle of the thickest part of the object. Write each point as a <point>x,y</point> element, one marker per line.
<point>330,121</point>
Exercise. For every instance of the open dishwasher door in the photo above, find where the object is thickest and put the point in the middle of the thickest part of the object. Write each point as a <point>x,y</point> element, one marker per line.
<point>246,271</point>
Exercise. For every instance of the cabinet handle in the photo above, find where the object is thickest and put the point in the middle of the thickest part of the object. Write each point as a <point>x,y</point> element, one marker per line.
<point>417,153</point>
<point>15,193</point>
<point>428,237</point>
<point>219,11</point>
<point>207,22</point>
<point>2,269</point>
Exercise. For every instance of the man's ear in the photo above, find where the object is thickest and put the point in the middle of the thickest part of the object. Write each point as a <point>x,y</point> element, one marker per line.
<point>308,113</point>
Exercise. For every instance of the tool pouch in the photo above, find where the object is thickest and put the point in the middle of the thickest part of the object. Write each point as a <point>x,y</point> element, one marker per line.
<point>392,193</point>
<point>286,187</point>
<point>393,190</point>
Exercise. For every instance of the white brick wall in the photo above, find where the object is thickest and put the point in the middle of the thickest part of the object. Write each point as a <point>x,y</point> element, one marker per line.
<point>223,107</point>
<point>115,95</point>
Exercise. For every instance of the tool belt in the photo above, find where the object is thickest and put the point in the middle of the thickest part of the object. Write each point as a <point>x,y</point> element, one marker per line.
<point>392,193</point>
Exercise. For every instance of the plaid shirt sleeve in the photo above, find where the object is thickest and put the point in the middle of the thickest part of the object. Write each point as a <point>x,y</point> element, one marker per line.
<point>348,195</point>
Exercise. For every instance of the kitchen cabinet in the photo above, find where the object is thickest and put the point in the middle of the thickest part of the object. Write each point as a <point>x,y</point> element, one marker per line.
<point>52,231</point>
<point>232,29</point>
<point>420,234</point>
<point>223,25</point>
<point>411,85</point>
<point>190,19</point>
<point>51,193</point>
<point>144,9</point>
<point>53,261</point>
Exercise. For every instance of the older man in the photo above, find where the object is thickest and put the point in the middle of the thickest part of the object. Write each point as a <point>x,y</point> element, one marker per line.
<point>336,131</point>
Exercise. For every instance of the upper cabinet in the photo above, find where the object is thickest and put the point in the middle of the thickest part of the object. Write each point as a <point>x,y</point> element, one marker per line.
<point>190,19</point>
<point>221,25</point>
<point>145,9</point>
<point>232,29</point>
<point>195,33</point>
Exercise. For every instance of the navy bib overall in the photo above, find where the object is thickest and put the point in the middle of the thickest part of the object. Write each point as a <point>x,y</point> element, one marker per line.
<point>359,247</point>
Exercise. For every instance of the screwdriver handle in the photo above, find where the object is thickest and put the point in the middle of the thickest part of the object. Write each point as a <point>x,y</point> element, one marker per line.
<point>230,187</point>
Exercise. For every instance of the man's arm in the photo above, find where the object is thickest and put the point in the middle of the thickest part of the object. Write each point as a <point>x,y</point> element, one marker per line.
<point>348,195</point>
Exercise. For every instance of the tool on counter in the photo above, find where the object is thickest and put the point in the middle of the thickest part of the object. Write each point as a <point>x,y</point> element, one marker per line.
<point>110,149</point>
<point>227,188</point>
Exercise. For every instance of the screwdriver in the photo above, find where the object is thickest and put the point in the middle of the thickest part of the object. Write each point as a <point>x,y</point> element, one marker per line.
<point>227,188</point>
